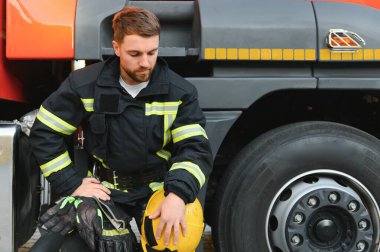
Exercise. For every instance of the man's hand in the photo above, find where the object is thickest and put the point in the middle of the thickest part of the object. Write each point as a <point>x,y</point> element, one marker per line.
<point>91,187</point>
<point>172,214</point>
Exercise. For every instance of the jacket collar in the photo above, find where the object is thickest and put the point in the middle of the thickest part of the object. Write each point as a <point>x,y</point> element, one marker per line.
<point>158,83</point>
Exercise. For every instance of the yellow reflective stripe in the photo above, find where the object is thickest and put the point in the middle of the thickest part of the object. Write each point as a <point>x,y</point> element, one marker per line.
<point>156,186</point>
<point>162,108</point>
<point>164,154</point>
<point>56,164</point>
<point>88,104</point>
<point>192,168</point>
<point>108,185</point>
<point>112,186</point>
<point>187,131</point>
<point>168,122</point>
<point>166,130</point>
<point>114,232</point>
<point>54,122</point>
<point>277,54</point>
<point>101,161</point>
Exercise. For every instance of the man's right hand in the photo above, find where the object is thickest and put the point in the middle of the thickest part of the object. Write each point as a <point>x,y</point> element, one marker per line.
<point>91,187</point>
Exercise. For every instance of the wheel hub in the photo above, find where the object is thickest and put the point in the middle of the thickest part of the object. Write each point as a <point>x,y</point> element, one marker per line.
<point>325,230</point>
<point>320,214</point>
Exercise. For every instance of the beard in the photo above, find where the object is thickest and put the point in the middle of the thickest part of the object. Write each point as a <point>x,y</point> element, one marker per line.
<point>140,75</point>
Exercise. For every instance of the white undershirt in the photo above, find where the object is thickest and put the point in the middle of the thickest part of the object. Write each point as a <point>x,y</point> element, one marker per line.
<point>133,90</point>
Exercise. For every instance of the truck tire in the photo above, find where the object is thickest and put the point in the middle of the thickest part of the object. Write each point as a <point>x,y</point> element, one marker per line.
<point>27,192</point>
<point>309,186</point>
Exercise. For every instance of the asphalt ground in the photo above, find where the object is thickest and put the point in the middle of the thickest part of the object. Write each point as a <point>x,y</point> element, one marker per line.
<point>207,240</point>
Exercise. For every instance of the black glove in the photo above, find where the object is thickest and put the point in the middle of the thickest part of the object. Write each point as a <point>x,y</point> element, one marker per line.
<point>112,240</point>
<point>116,235</point>
<point>89,220</point>
<point>60,218</point>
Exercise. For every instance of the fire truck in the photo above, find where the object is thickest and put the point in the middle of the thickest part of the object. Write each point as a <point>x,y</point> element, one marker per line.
<point>290,90</point>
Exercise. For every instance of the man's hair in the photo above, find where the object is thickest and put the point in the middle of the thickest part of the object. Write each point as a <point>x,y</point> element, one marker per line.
<point>135,20</point>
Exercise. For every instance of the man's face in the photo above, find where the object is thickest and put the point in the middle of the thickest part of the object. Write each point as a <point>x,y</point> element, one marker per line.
<point>138,56</point>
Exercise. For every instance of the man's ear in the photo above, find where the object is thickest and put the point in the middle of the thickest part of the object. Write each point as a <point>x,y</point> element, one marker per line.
<point>116,48</point>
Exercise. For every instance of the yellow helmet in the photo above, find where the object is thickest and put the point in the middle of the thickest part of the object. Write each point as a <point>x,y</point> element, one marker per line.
<point>194,226</point>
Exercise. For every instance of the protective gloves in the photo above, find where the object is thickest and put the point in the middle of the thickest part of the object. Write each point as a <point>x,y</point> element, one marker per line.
<point>60,218</point>
<point>112,240</point>
<point>89,220</point>
<point>116,235</point>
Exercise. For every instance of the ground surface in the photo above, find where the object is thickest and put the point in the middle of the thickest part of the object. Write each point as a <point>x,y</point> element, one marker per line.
<point>208,245</point>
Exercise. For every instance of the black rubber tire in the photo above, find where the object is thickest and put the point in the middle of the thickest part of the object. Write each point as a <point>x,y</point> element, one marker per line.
<point>265,165</point>
<point>28,191</point>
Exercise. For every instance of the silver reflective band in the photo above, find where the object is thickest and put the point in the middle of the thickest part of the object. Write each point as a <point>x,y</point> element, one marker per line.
<point>187,131</point>
<point>162,108</point>
<point>164,154</point>
<point>54,122</point>
<point>56,164</point>
<point>156,186</point>
<point>192,168</point>
<point>88,104</point>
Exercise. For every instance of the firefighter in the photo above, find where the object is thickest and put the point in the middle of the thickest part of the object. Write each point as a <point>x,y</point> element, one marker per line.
<point>145,129</point>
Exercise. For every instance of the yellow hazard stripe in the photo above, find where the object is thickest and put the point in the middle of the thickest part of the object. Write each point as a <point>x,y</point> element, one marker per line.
<point>360,55</point>
<point>54,122</point>
<point>88,104</point>
<point>188,131</point>
<point>192,168</point>
<point>56,164</point>
<point>289,54</point>
<point>259,54</point>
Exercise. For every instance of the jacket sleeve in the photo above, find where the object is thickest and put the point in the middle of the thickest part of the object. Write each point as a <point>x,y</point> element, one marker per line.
<point>58,118</point>
<point>191,160</point>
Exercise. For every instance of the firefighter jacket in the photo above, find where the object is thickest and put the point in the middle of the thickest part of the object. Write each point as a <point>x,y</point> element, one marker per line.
<point>161,128</point>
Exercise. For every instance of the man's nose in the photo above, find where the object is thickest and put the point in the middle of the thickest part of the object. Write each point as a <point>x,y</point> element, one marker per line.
<point>144,61</point>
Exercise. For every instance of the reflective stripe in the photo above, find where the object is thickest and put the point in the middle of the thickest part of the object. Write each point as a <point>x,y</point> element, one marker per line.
<point>101,161</point>
<point>114,232</point>
<point>56,164</point>
<point>168,122</point>
<point>192,168</point>
<point>112,186</point>
<point>169,110</point>
<point>164,154</point>
<point>287,54</point>
<point>108,185</point>
<point>162,108</point>
<point>156,186</point>
<point>54,122</point>
<point>88,104</point>
<point>187,131</point>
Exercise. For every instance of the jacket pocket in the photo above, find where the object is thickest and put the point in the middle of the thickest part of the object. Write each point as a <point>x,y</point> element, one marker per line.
<point>97,137</point>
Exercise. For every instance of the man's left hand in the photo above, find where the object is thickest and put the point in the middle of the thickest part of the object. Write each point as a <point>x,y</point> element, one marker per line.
<point>172,215</point>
